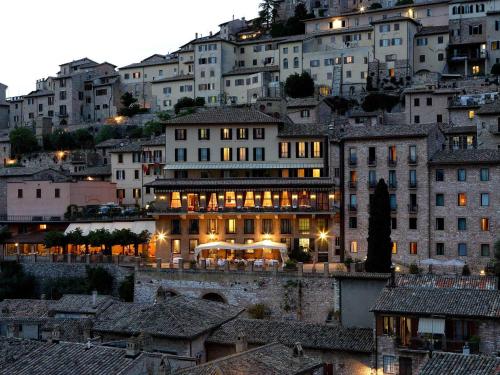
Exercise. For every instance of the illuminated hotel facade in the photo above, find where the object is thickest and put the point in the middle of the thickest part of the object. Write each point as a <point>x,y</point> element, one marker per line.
<point>240,176</point>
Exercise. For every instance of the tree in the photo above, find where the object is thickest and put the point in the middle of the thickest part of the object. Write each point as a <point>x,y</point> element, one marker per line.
<point>268,13</point>
<point>495,69</point>
<point>102,238</point>
<point>153,128</point>
<point>83,139</point>
<point>126,289</point>
<point>55,239</point>
<point>299,86</point>
<point>379,231</point>
<point>99,279</point>
<point>14,283</point>
<point>140,239</point>
<point>61,140</point>
<point>376,101</point>
<point>186,102</point>
<point>294,25</point>
<point>22,141</point>
<point>106,132</point>
<point>76,238</point>
<point>123,237</point>
<point>165,116</point>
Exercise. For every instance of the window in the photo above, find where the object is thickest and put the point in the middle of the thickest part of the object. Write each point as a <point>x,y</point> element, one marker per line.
<point>412,154</point>
<point>258,154</point>
<point>394,247</point>
<point>485,199</point>
<point>242,154</point>
<point>485,224</point>
<point>462,223</point>
<point>461,175</point>
<point>194,226</point>
<point>484,174</point>
<point>317,149</point>
<point>301,150</point>
<point>242,133</point>
<point>384,28</point>
<point>354,246</point>
<point>57,193</point>
<point>136,174</point>
<point>285,63</point>
<point>314,63</point>
<point>439,175</point>
<point>180,134</point>
<point>394,223</point>
<point>120,175</point>
<point>412,224</point>
<point>413,248</point>
<point>19,193</point>
<point>136,193</point>
<point>248,226</point>
<point>485,250</point>
<point>462,249</point>
<point>305,113</point>
<point>416,119</point>
<point>258,133</point>
<point>440,223</point>
<point>439,118</point>
<point>39,193</point>
<point>203,154</point>
<point>440,56</point>
<point>422,58</point>
<point>284,150</point>
<point>204,134</point>
<point>120,158</point>
<point>285,226</point>
<point>226,154</point>
<point>439,248</point>
<point>353,222</point>
<point>226,134</point>
<point>230,226</point>
<point>462,199</point>
<point>180,154</point>
<point>471,115</point>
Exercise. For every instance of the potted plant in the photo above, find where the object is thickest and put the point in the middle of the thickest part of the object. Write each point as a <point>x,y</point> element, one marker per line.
<point>192,264</point>
<point>290,265</point>
<point>347,263</point>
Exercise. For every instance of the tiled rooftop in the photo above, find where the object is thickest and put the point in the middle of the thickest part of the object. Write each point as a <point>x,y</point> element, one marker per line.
<point>460,364</point>
<point>252,70</point>
<point>182,77</point>
<point>302,130</point>
<point>444,301</point>
<point>492,108</point>
<point>177,317</point>
<point>225,116</point>
<point>82,304</point>
<point>25,309</point>
<point>104,170</point>
<point>466,156</point>
<point>386,131</point>
<point>448,281</point>
<point>431,30</point>
<point>271,359</point>
<point>310,335</point>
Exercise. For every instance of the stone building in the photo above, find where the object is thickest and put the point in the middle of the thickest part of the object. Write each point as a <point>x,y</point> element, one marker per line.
<point>4,108</point>
<point>488,125</point>
<point>241,176</point>
<point>428,105</point>
<point>346,350</point>
<point>456,363</point>
<point>464,217</point>
<point>413,319</point>
<point>399,155</point>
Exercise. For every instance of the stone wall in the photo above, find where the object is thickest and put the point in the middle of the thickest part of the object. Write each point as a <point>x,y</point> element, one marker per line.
<point>308,298</point>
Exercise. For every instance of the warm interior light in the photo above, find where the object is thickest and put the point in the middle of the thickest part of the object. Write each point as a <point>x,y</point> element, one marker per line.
<point>482,273</point>
<point>323,235</point>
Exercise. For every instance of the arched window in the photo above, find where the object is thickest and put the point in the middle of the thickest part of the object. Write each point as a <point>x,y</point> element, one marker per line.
<point>214,297</point>
<point>285,63</point>
<point>454,10</point>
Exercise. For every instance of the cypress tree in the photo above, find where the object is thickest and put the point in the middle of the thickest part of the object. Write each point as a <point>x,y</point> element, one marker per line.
<point>379,231</point>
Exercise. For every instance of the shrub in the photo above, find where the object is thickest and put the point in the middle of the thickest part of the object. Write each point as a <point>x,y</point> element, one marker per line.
<point>56,288</point>
<point>259,311</point>
<point>466,270</point>
<point>299,85</point>
<point>300,255</point>
<point>414,270</point>
<point>126,289</point>
<point>99,279</point>
<point>290,264</point>
<point>14,283</point>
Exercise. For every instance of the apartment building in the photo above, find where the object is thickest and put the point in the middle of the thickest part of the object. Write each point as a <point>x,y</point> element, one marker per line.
<point>463,213</point>
<point>488,125</point>
<point>493,36</point>
<point>246,85</point>
<point>37,105</point>
<point>4,107</point>
<point>16,104</point>
<point>240,176</point>
<point>429,50</point>
<point>102,96</point>
<point>428,105</point>
<point>133,166</point>
<point>168,91</point>
<point>399,155</point>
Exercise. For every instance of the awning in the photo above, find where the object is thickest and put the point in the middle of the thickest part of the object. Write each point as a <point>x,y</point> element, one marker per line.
<point>135,226</point>
<point>429,325</point>
<point>231,165</point>
<point>267,244</point>
<point>31,238</point>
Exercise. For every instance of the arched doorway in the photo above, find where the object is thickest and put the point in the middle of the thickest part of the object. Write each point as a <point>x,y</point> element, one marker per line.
<point>215,297</point>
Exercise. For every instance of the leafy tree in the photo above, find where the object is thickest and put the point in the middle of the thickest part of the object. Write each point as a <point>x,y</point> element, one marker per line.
<point>375,101</point>
<point>268,13</point>
<point>140,239</point>
<point>300,255</point>
<point>61,140</point>
<point>76,238</point>
<point>186,102</point>
<point>299,85</point>
<point>56,288</point>
<point>99,279</point>
<point>129,105</point>
<point>259,311</point>
<point>294,25</point>
<point>83,139</point>
<point>375,6</point>
<point>123,237</point>
<point>379,231</point>
<point>105,133</point>
<point>23,141</point>
<point>134,132</point>
<point>495,69</point>
<point>102,238</point>
<point>55,239</point>
<point>153,128</point>
<point>4,235</point>
<point>14,283</point>
<point>165,116</point>
<point>126,289</point>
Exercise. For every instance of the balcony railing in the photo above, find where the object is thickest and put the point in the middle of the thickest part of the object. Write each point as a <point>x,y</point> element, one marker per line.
<point>393,185</point>
<point>438,343</point>
<point>353,162</point>
<point>353,207</point>
<point>412,184</point>
<point>353,184</point>
<point>153,160</point>
<point>372,162</point>
<point>391,162</point>
<point>155,209</point>
<point>413,208</point>
<point>73,218</point>
<point>372,184</point>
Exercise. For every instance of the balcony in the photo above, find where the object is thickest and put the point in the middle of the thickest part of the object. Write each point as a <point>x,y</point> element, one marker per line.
<point>318,208</point>
<point>153,160</point>
<point>412,185</point>
<point>372,162</point>
<point>353,162</point>
<point>394,208</point>
<point>412,160</point>
<point>353,207</point>
<point>392,162</point>
<point>372,185</point>
<point>393,185</point>
<point>413,208</point>
<point>353,184</point>
<point>438,343</point>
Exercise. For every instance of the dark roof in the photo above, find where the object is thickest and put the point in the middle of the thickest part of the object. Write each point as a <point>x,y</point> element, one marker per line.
<point>177,317</point>
<point>272,359</point>
<point>303,102</point>
<point>38,93</point>
<point>61,358</point>
<point>245,71</point>
<point>460,364</point>
<point>310,335</point>
<point>82,304</point>
<point>386,131</point>
<point>104,170</point>
<point>155,62</point>
<point>395,18</point>
<point>443,301</point>
<point>227,115</point>
<point>25,309</point>
<point>111,143</point>
<point>138,145</point>
<point>469,156</point>
<point>24,171</point>
<point>290,130</point>
<point>431,30</point>
<point>447,281</point>
<point>459,129</point>
<point>184,77</point>
<point>492,108</point>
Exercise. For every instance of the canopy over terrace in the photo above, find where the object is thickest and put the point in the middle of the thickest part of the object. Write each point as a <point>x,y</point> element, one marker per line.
<point>265,245</point>
<point>135,226</point>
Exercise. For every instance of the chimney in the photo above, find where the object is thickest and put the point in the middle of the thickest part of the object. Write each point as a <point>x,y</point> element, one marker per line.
<point>241,343</point>
<point>392,279</point>
<point>13,330</point>
<point>466,349</point>
<point>94,299</point>
<point>164,368</point>
<point>210,33</point>
<point>196,36</point>
<point>56,334</point>
<point>297,350</point>
<point>132,349</point>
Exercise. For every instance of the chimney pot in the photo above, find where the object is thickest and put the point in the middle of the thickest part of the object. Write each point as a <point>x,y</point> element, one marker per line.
<point>297,350</point>
<point>94,298</point>
<point>241,343</point>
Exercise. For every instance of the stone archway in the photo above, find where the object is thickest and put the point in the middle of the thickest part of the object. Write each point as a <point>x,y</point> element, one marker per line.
<point>215,297</point>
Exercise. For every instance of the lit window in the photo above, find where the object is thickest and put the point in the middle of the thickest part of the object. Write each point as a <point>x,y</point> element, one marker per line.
<point>394,247</point>
<point>304,226</point>
<point>249,199</point>
<point>176,246</point>
<point>226,154</point>
<point>267,202</point>
<point>316,173</point>
<point>471,114</point>
<point>317,150</point>
<point>230,199</point>
<point>485,224</point>
<point>301,149</point>
<point>475,69</point>
<point>176,200</point>
<point>413,248</point>
<point>285,199</point>
<point>354,246</point>
<point>43,226</point>
<point>230,226</point>
<point>462,199</point>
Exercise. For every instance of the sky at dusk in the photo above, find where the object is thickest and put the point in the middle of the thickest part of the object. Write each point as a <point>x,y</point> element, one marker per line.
<point>38,35</point>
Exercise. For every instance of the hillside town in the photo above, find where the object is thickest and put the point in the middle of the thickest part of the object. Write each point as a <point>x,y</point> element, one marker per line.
<point>311,191</point>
